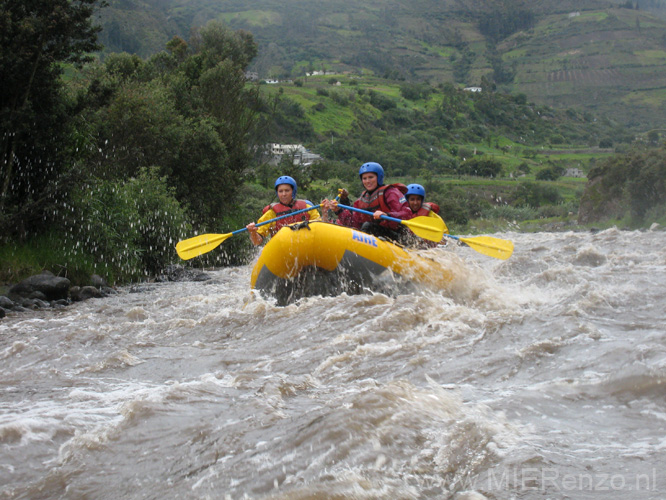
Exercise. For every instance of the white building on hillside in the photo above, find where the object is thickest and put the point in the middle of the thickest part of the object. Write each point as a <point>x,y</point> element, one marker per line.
<point>300,155</point>
<point>574,172</point>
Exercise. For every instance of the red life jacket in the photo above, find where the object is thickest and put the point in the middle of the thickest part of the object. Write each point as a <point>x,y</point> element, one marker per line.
<point>426,208</point>
<point>375,201</point>
<point>281,210</point>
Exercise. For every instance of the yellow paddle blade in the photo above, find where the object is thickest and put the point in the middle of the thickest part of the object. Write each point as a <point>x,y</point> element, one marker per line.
<point>199,245</point>
<point>492,247</point>
<point>429,228</point>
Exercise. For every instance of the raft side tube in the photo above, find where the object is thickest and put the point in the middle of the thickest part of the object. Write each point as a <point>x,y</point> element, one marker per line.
<point>331,247</point>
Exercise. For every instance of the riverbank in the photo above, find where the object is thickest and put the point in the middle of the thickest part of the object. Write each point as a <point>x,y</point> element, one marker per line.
<point>45,290</point>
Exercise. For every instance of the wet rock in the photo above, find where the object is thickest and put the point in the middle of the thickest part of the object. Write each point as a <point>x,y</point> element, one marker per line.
<point>6,303</point>
<point>52,287</point>
<point>2,313</point>
<point>37,295</point>
<point>84,293</point>
<point>41,303</point>
<point>47,290</point>
<point>32,304</point>
<point>97,290</point>
<point>90,292</point>
<point>98,282</point>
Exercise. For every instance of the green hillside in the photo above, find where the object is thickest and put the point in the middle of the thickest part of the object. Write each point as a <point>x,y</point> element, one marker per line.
<point>606,57</point>
<point>485,156</point>
<point>611,61</point>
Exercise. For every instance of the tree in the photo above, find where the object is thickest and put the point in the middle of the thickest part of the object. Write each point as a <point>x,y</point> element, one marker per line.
<point>218,43</point>
<point>627,184</point>
<point>549,173</point>
<point>37,37</point>
<point>653,137</point>
<point>531,194</point>
<point>124,65</point>
<point>193,119</point>
<point>222,89</point>
<point>178,47</point>
<point>415,91</point>
<point>505,19</point>
<point>646,188</point>
<point>224,97</point>
<point>140,127</point>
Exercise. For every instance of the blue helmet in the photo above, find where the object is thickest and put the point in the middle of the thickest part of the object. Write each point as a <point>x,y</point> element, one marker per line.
<point>416,189</point>
<point>374,168</point>
<point>285,179</point>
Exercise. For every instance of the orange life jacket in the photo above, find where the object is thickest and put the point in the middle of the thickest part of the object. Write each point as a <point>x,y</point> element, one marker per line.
<point>375,201</point>
<point>281,210</point>
<point>426,208</point>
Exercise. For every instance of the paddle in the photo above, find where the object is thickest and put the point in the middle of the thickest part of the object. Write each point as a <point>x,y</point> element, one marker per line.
<point>487,245</point>
<point>429,228</point>
<point>204,243</point>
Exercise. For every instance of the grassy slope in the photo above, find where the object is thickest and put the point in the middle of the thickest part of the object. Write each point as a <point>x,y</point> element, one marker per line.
<point>607,60</point>
<point>511,154</point>
<point>340,119</point>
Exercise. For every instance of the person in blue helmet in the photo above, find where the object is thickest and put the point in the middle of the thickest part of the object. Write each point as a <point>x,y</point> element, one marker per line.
<point>286,189</point>
<point>420,208</point>
<point>416,199</point>
<point>377,197</point>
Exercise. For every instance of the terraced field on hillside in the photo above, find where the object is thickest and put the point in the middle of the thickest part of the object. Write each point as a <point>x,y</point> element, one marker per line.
<point>594,61</point>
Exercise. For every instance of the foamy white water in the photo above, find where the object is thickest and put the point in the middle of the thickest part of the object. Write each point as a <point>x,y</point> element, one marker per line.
<point>543,376</point>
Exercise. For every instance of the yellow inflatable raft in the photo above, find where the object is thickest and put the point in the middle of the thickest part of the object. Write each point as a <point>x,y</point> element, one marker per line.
<point>323,258</point>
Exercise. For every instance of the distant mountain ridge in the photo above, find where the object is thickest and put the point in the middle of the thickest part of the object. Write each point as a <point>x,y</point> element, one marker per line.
<point>605,57</point>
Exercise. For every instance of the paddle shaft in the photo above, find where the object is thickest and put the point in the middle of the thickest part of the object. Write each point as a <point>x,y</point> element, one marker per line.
<point>429,228</point>
<point>290,214</point>
<point>452,236</point>
<point>367,212</point>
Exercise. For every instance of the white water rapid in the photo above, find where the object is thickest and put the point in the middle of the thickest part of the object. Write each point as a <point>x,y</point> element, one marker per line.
<point>543,376</point>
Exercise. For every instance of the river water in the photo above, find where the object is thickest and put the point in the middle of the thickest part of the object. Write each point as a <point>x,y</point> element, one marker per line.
<point>542,376</point>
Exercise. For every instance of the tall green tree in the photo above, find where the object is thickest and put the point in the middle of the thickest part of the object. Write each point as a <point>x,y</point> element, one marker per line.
<point>37,37</point>
<point>631,184</point>
<point>190,114</point>
<point>221,100</point>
